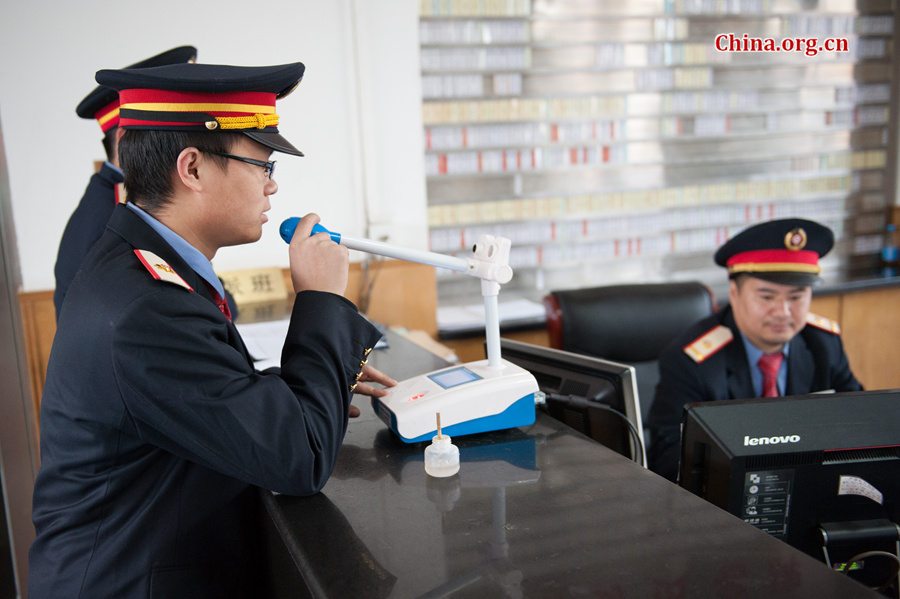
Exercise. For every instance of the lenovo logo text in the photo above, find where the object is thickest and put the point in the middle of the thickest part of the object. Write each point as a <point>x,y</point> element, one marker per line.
<point>777,440</point>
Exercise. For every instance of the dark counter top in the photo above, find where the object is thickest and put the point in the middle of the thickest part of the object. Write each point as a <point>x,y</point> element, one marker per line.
<point>538,511</point>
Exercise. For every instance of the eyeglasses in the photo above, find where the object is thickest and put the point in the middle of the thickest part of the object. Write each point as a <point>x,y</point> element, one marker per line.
<point>269,165</point>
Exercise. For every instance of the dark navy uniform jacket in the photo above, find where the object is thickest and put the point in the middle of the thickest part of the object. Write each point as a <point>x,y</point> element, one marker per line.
<point>84,228</point>
<point>156,431</point>
<point>816,362</point>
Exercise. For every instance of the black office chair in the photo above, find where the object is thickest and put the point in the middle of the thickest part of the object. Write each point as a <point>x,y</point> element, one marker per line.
<point>627,323</point>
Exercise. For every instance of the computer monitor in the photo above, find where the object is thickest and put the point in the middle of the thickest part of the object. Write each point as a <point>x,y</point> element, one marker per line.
<point>820,471</point>
<point>598,381</point>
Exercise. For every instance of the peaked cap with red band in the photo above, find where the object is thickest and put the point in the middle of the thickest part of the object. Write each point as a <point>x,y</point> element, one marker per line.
<point>205,97</point>
<point>783,251</point>
<point>103,103</point>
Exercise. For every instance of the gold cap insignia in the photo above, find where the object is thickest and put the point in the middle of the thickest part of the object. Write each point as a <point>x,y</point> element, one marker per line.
<point>795,239</point>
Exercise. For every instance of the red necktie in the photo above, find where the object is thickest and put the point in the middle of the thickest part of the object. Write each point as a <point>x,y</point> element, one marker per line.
<point>769,365</point>
<point>220,301</point>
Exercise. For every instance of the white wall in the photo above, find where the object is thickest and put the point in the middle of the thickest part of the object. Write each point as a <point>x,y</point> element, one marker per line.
<point>356,114</point>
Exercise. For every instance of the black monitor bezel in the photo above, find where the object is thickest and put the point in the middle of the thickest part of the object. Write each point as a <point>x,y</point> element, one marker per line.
<point>541,360</point>
<point>713,469</point>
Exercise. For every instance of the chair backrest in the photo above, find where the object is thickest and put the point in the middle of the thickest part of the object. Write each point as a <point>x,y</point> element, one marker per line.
<point>627,323</point>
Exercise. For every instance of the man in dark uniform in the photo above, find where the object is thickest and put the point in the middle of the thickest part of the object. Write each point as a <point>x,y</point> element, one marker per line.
<point>156,431</point>
<point>103,192</point>
<point>766,343</point>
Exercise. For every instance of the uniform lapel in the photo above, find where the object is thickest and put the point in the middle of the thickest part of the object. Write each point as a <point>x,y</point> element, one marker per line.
<point>740,386</point>
<point>801,368</point>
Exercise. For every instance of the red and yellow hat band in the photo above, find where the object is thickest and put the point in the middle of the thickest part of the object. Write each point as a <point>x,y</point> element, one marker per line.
<point>775,261</point>
<point>176,110</point>
<point>108,116</point>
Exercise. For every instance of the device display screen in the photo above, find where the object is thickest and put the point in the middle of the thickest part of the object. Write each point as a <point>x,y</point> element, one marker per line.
<point>452,378</point>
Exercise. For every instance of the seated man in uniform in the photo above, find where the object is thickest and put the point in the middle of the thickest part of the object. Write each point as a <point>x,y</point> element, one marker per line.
<point>88,221</point>
<point>157,434</point>
<point>764,344</point>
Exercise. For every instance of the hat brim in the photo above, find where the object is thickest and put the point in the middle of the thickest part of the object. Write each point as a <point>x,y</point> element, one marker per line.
<point>272,140</point>
<point>802,279</point>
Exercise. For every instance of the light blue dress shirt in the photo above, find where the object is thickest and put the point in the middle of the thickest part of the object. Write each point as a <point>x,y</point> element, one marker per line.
<point>756,376</point>
<point>188,253</point>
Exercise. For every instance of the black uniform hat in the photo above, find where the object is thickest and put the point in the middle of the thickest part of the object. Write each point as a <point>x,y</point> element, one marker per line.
<point>205,97</point>
<point>783,251</point>
<point>103,103</point>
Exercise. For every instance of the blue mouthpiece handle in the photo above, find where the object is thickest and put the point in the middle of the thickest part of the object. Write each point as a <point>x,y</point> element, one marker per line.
<point>287,230</point>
